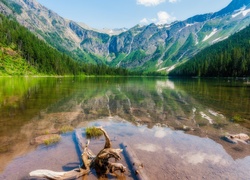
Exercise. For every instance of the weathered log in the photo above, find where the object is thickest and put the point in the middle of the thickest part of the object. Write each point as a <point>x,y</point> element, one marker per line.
<point>73,174</point>
<point>100,163</point>
<point>87,155</point>
<point>107,142</point>
<point>136,166</point>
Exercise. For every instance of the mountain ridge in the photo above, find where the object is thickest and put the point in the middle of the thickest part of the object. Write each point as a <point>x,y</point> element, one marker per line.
<point>228,58</point>
<point>146,48</point>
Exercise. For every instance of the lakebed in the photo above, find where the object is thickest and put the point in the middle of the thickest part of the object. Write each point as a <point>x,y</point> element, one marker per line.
<point>174,127</point>
<point>164,153</point>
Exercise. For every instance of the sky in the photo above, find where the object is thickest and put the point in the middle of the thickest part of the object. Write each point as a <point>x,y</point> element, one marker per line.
<point>112,14</point>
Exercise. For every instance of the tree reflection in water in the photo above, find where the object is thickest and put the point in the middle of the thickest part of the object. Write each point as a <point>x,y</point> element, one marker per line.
<point>200,107</point>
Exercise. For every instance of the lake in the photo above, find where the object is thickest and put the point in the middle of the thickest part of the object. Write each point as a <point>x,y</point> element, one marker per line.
<point>174,126</point>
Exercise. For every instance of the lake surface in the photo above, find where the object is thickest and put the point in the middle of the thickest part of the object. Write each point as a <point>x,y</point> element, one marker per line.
<point>175,126</point>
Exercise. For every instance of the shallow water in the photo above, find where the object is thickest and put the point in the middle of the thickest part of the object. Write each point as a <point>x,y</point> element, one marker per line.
<point>174,125</point>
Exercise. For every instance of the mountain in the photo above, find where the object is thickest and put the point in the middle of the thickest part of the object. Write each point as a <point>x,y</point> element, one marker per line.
<point>22,53</point>
<point>146,48</point>
<point>228,58</point>
<point>104,30</point>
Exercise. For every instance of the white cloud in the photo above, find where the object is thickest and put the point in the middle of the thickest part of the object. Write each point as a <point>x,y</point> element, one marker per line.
<point>153,2</point>
<point>144,21</point>
<point>150,2</point>
<point>153,20</point>
<point>173,1</point>
<point>164,17</point>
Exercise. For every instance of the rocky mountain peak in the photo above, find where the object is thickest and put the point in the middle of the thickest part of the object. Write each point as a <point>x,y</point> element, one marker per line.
<point>233,6</point>
<point>143,48</point>
<point>32,4</point>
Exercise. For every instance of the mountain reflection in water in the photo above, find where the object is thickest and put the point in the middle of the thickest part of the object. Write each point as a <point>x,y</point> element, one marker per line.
<point>202,109</point>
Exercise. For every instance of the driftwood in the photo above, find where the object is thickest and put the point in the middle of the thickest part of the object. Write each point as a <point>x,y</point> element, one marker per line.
<point>99,162</point>
<point>136,165</point>
<point>73,174</point>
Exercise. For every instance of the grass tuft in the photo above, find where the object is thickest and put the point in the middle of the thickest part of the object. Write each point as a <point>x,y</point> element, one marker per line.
<point>66,129</point>
<point>93,132</point>
<point>52,140</point>
<point>237,119</point>
<point>46,132</point>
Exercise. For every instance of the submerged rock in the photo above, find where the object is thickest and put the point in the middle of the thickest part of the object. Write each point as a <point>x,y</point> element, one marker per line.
<point>235,138</point>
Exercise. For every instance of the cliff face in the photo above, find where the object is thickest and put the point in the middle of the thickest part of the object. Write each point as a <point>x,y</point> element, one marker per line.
<point>147,48</point>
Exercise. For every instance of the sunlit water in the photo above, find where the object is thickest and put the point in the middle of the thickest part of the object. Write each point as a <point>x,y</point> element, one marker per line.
<point>173,125</point>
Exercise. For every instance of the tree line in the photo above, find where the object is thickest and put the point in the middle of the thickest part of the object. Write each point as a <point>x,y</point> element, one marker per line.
<point>228,58</point>
<point>43,57</point>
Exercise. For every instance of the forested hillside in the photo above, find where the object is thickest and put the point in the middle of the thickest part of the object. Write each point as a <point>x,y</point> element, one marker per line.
<point>22,53</point>
<point>229,58</point>
<point>146,48</point>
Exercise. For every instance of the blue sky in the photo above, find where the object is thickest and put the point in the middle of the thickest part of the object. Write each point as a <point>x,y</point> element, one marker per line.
<point>127,13</point>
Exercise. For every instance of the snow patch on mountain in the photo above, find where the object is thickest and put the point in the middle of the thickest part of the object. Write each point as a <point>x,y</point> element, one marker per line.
<point>167,69</point>
<point>243,11</point>
<point>161,26</point>
<point>210,35</point>
<point>171,68</point>
<point>219,39</point>
<point>188,25</point>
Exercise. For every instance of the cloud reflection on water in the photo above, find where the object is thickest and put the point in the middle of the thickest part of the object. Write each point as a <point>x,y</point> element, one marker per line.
<point>196,158</point>
<point>162,132</point>
<point>148,147</point>
<point>155,103</point>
